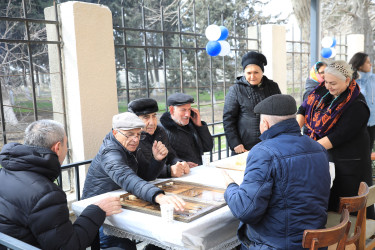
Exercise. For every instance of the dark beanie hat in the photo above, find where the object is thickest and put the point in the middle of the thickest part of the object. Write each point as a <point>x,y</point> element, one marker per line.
<point>253,57</point>
<point>143,106</point>
<point>277,105</point>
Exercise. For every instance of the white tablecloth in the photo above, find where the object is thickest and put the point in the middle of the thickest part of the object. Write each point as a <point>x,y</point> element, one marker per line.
<point>216,230</point>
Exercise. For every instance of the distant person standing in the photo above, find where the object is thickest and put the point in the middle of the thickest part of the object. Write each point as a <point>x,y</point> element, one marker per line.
<point>362,67</point>
<point>316,77</point>
<point>241,124</point>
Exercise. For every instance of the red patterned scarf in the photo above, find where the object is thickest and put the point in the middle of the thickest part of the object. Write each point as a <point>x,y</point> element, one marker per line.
<point>322,115</point>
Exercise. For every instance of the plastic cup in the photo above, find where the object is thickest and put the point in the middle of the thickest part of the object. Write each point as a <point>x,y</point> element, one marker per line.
<point>167,212</point>
<point>206,160</point>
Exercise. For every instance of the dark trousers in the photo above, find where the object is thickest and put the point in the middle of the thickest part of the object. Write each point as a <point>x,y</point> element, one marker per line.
<point>371,132</point>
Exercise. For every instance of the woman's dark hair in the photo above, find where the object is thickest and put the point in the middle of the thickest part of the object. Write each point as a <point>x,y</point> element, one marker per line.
<point>357,61</point>
<point>320,64</point>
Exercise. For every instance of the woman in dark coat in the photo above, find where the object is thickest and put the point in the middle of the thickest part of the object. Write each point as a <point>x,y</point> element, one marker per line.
<point>241,124</point>
<point>335,114</point>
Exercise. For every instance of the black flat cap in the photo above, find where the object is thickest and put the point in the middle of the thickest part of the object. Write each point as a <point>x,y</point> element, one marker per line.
<point>253,57</point>
<point>177,99</point>
<point>277,105</point>
<point>143,106</point>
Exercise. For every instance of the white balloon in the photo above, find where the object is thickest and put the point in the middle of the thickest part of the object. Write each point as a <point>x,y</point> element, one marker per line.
<point>213,32</point>
<point>327,42</point>
<point>225,48</point>
<point>333,53</point>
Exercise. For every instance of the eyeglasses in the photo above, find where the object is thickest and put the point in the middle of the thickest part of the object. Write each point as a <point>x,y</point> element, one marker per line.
<point>133,136</point>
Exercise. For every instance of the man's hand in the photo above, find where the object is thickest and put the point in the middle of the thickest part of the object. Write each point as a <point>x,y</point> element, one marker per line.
<point>179,169</point>
<point>240,149</point>
<point>110,205</point>
<point>159,150</point>
<point>196,118</point>
<point>228,180</point>
<point>177,202</point>
<point>192,164</point>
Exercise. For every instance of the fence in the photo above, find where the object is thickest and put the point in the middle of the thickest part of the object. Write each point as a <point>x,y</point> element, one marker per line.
<point>25,75</point>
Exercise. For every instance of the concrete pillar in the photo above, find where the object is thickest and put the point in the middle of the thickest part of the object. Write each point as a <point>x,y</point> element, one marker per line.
<point>89,75</point>
<point>355,43</point>
<point>273,46</point>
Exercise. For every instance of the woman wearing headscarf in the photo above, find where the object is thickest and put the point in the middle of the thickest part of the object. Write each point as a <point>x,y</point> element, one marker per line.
<point>316,77</point>
<point>241,124</point>
<point>335,114</point>
<point>362,67</point>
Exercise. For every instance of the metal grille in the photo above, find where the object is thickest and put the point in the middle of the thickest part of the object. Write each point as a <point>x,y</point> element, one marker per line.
<point>26,77</point>
<point>158,55</point>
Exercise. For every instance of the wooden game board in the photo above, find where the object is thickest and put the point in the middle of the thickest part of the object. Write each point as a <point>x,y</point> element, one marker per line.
<point>199,200</point>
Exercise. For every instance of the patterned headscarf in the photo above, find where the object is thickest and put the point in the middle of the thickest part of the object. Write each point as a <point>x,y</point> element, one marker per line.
<point>314,74</point>
<point>320,115</point>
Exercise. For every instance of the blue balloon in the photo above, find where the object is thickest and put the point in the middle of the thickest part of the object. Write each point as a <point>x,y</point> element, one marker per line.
<point>213,48</point>
<point>333,42</point>
<point>224,33</point>
<point>326,52</point>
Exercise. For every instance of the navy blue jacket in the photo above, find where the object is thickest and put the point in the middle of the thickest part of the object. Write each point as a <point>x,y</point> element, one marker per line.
<point>33,208</point>
<point>285,189</point>
<point>114,168</point>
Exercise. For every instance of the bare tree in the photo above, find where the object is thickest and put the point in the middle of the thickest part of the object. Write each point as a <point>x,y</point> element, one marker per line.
<point>14,57</point>
<point>340,17</point>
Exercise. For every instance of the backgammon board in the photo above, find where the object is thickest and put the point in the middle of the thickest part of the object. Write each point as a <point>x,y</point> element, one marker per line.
<point>199,199</point>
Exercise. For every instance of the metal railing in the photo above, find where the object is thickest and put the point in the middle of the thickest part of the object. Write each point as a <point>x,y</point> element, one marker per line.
<point>215,154</point>
<point>13,243</point>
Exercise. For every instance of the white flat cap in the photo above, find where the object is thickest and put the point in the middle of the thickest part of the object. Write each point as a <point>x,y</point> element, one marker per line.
<point>126,121</point>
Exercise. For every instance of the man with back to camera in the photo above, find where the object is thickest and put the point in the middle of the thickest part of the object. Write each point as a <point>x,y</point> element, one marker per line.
<point>115,167</point>
<point>286,184</point>
<point>188,135</point>
<point>33,208</point>
<point>145,109</point>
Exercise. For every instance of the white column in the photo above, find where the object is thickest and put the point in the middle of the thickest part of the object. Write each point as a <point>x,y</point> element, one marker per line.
<point>273,46</point>
<point>355,43</point>
<point>89,75</point>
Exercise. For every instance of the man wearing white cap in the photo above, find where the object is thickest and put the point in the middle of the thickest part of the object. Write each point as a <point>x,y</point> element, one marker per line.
<point>115,167</point>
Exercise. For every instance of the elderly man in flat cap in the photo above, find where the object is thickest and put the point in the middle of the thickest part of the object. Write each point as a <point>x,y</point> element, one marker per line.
<point>239,120</point>
<point>145,109</point>
<point>286,184</point>
<point>115,167</point>
<point>188,134</point>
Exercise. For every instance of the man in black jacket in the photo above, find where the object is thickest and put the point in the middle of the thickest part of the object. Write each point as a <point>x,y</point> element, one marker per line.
<point>116,167</point>
<point>145,109</point>
<point>188,135</point>
<point>33,208</point>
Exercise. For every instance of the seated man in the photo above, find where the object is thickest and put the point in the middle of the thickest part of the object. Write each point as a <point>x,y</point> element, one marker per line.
<point>187,134</point>
<point>286,185</point>
<point>115,167</point>
<point>146,108</point>
<point>33,208</point>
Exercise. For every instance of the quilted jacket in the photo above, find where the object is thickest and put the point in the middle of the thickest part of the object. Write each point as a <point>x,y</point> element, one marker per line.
<point>285,189</point>
<point>33,208</point>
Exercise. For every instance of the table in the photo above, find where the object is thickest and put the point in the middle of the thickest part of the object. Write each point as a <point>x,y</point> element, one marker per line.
<point>216,230</point>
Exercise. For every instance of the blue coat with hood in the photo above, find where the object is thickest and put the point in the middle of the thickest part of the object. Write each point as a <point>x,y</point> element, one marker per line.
<point>285,189</point>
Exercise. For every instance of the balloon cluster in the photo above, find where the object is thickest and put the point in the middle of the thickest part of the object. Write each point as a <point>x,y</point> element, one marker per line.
<point>216,44</point>
<point>328,50</point>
